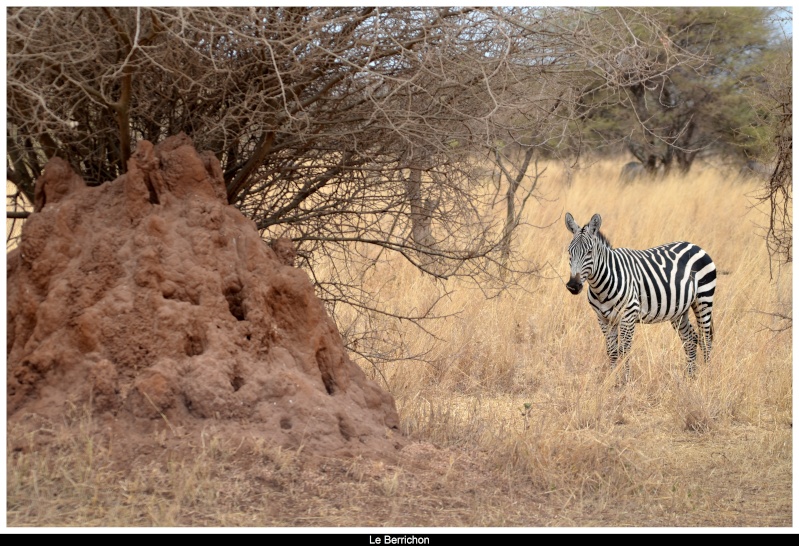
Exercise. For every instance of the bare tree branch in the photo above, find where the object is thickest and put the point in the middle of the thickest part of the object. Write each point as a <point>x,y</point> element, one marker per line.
<point>352,131</point>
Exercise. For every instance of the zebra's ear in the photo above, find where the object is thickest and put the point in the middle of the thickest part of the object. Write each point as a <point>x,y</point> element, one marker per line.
<point>593,225</point>
<point>571,224</point>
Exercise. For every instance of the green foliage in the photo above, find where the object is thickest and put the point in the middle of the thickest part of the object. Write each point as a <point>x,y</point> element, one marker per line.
<point>765,87</point>
<point>676,114</point>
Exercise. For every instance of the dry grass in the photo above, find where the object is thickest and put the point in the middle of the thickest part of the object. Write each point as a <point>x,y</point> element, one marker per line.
<point>14,227</point>
<point>516,418</point>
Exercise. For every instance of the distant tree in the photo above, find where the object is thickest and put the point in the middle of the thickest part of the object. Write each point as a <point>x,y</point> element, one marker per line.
<point>566,68</point>
<point>670,118</point>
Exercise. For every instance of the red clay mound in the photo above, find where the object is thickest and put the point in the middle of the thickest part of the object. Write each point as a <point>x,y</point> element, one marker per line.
<point>153,300</point>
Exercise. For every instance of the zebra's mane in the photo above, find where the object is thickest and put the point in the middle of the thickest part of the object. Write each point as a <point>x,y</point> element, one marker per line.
<point>603,240</point>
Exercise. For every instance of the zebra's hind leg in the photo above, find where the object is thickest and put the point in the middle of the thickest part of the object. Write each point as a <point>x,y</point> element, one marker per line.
<point>704,320</point>
<point>689,339</point>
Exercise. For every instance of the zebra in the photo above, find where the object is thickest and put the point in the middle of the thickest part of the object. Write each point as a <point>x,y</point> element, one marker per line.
<point>755,169</point>
<point>635,170</point>
<point>654,285</point>
<point>631,172</point>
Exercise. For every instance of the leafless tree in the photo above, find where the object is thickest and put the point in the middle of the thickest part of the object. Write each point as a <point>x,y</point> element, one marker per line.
<point>770,91</point>
<point>353,131</point>
<point>574,62</point>
<point>771,96</point>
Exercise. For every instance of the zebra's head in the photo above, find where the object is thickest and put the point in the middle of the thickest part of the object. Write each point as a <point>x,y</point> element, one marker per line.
<point>581,251</point>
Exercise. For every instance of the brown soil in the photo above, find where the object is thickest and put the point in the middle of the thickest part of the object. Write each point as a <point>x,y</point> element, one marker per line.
<point>158,304</point>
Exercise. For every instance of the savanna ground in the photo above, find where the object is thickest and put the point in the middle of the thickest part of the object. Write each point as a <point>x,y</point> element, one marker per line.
<point>513,417</point>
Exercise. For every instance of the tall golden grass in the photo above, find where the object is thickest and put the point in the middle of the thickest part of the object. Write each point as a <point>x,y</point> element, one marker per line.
<point>14,227</point>
<point>525,377</point>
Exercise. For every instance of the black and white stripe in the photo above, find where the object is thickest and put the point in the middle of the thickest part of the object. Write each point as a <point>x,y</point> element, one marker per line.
<point>654,285</point>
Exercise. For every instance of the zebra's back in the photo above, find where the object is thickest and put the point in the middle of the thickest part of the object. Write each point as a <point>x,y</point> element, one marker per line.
<point>671,278</point>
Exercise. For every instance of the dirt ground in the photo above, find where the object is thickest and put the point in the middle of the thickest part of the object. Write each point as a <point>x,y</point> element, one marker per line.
<point>226,477</point>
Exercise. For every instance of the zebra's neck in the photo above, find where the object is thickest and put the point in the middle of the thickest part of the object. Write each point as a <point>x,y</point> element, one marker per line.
<point>604,260</point>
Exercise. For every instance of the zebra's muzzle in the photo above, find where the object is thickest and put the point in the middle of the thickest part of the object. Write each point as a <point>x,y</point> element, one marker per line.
<point>574,285</point>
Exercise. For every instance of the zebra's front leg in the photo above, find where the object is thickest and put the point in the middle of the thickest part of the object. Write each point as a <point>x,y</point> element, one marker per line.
<point>626,332</point>
<point>612,339</point>
<point>689,340</point>
<point>618,339</point>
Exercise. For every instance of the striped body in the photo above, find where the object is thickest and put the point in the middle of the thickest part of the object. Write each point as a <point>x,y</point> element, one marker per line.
<point>628,286</point>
